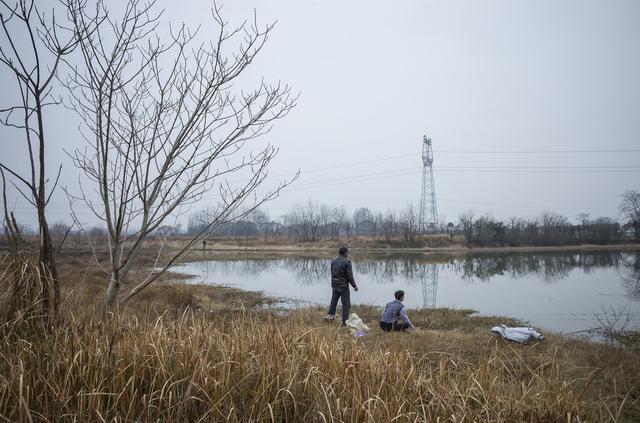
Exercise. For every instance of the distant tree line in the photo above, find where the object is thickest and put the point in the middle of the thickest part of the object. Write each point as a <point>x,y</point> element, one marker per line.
<point>314,221</point>
<point>547,229</point>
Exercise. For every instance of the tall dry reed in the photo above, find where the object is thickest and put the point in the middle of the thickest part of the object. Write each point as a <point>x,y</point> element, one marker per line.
<point>243,366</point>
<point>25,291</point>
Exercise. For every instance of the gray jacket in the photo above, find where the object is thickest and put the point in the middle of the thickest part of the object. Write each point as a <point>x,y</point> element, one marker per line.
<point>394,311</point>
<point>342,273</point>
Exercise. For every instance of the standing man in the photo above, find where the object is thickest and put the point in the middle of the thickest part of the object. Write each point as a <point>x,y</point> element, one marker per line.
<point>341,278</point>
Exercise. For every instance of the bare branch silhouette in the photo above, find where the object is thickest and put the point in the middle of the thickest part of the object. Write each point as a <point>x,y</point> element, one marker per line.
<point>33,46</point>
<point>164,127</point>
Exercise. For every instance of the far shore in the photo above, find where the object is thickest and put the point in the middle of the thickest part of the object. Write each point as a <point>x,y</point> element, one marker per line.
<point>221,249</point>
<point>456,250</point>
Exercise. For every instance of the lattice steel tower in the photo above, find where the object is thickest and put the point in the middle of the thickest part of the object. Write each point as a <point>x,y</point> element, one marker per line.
<point>428,208</point>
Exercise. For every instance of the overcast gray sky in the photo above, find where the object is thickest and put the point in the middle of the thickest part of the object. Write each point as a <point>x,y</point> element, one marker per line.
<point>483,79</point>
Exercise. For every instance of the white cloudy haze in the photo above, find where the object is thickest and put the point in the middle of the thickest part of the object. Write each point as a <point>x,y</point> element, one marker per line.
<point>528,103</point>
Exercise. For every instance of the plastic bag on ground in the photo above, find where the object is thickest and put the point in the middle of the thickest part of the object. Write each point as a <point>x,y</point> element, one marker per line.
<point>521,335</point>
<point>356,325</point>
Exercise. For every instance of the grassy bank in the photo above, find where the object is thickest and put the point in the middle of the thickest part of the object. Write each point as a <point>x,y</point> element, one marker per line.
<point>207,353</point>
<point>251,366</point>
<point>235,361</point>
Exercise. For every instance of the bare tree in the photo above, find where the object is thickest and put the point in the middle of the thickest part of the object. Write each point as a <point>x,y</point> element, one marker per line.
<point>33,48</point>
<point>467,220</point>
<point>363,222</point>
<point>339,223</point>
<point>630,209</point>
<point>262,222</point>
<point>388,225</point>
<point>164,128</point>
<point>313,214</point>
<point>409,222</point>
<point>325,221</point>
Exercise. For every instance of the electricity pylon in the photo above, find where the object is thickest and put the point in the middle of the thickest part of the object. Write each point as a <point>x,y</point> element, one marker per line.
<point>428,208</point>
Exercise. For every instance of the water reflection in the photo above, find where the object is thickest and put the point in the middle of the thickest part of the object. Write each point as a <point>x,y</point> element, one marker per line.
<point>548,267</point>
<point>629,269</point>
<point>242,267</point>
<point>416,269</point>
<point>560,291</point>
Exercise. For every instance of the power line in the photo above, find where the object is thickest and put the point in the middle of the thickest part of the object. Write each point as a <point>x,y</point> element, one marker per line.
<point>453,169</point>
<point>542,167</point>
<point>450,200</point>
<point>472,169</point>
<point>461,169</point>
<point>347,164</point>
<point>540,170</point>
<point>360,162</point>
<point>359,178</point>
<point>622,150</point>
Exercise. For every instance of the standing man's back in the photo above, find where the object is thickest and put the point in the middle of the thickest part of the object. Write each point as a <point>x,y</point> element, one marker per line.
<point>341,278</point>
<point>342,272</point>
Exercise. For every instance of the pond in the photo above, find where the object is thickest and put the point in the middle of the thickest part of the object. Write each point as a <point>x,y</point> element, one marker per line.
<point>561,291</point>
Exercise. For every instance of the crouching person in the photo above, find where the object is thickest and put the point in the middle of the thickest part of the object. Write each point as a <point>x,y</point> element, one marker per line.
<point>394,317</point>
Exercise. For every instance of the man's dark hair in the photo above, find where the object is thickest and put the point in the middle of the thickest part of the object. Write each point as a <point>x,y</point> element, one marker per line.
<point>398,294</point>
<point>343,251</point>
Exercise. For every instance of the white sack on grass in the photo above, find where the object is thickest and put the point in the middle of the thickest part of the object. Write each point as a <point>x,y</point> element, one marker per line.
<point>521,335</point>
<point>356,325</point>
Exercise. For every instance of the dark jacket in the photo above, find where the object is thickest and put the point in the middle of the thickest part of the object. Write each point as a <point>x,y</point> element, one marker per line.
<point>341,273</point>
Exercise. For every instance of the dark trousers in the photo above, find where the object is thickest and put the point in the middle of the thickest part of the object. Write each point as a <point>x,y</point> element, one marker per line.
<point>345,298</point>
<point>395,326</point>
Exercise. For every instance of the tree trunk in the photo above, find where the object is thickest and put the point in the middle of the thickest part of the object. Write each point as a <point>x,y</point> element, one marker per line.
<point>49,270</point>
<point>112,295</point>
<point>119,275</point>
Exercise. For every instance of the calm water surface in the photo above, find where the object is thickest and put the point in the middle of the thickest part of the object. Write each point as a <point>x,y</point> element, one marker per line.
<point>561,292</point>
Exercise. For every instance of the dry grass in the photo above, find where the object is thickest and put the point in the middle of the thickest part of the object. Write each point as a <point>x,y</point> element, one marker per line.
<point>251,366</point>
<point>25,290</point>
<point>201,353</point>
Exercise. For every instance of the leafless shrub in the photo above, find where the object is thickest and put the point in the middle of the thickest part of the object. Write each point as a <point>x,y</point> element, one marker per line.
<point>613,323</point>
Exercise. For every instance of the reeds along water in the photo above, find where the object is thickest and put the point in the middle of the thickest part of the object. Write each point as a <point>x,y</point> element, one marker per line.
<point>246,366</point>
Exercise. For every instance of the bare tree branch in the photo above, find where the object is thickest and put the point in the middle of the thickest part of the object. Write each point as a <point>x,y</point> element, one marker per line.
<point>164,125</point>
<point>34,46</point>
